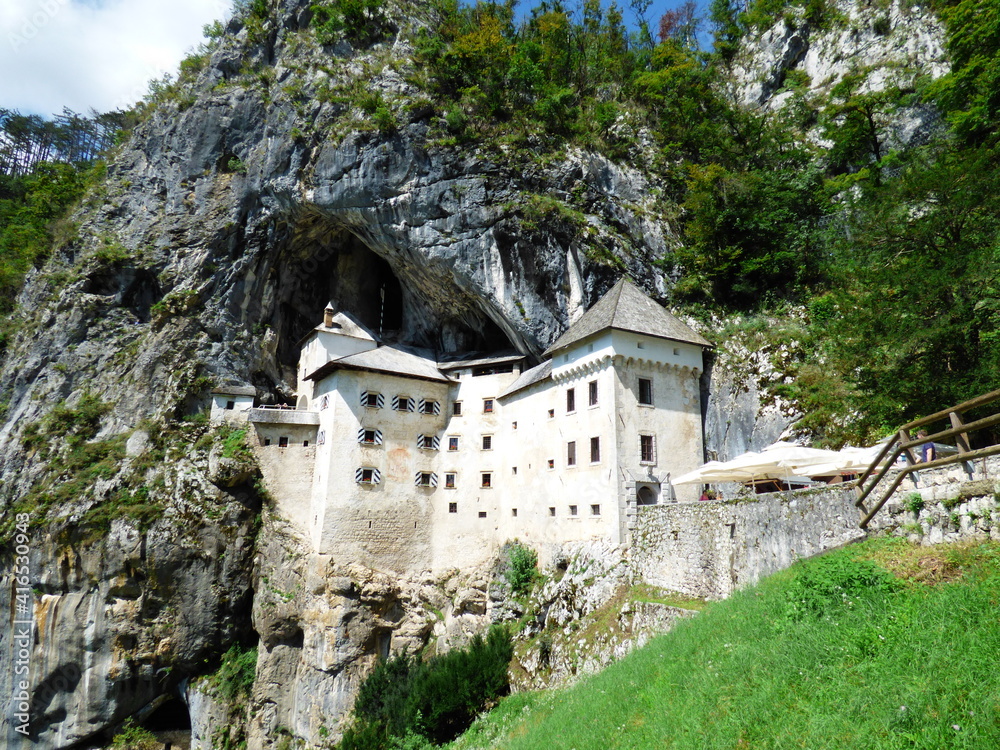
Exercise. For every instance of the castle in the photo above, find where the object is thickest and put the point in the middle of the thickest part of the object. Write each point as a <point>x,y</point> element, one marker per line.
<point>403,462</point>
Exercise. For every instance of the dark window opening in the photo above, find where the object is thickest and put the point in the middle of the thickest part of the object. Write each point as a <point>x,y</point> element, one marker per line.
<point>453,507</point>
<point>449,481</point>
<point>482,514</point>
<point>592,392</point>
<point>305,443</point>
<point>282,442</point>
<point>487,442</point>
<point>595,510</point>
<point>572,510</point>
<point>497,370</point>
<point>645,496</point>
<point>487,406</point>
<point>645,391</point>
<point>456,408</point>
<point>571,453</point>
<point>487,479</point>
<point>595,450</point>
<point>453,443</point>
<point>230,405</point>
<point>552,511</point>
<point>570,400</point>
<point>513,512</point>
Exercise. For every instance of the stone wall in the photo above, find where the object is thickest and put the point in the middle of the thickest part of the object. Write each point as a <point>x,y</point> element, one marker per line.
<point>710,549</point>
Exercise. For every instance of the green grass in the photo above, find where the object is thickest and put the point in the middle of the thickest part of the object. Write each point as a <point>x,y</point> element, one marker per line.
<point>868,661</point>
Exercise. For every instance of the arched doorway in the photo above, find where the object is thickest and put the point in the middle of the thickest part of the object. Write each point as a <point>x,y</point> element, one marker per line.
<point>645,495</point>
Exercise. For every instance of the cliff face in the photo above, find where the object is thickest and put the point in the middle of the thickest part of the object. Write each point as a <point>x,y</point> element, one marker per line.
<point>881,45</point>
<point>250,197</point>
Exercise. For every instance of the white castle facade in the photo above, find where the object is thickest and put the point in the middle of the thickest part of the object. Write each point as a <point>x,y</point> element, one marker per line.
<point>402,462</point>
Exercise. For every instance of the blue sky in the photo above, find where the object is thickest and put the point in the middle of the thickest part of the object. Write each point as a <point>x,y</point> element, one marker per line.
<point>101,54</point>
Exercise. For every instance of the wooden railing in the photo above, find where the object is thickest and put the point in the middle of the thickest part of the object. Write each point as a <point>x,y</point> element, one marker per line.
<point>902,444</point>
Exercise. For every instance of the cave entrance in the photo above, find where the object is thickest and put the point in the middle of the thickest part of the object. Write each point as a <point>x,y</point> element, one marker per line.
<point>171,724</point>
<point>320,267</point>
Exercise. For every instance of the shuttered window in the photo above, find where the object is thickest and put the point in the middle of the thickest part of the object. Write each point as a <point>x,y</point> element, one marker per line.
<point>429,407</point>
<point>429,442</point>
<point>370,437</point>
<point>425,479</point>
<point>367,475</point>
<point>372,400</point>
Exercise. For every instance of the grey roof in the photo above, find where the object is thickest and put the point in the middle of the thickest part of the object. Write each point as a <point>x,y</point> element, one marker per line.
<point>389,359</point>
<point>235,390</point>
<point>344,324</point>
<point>493,359</point>
<point>626,308</point>
<point>529,378</point>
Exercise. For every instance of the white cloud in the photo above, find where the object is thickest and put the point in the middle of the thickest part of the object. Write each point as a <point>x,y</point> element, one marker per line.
<point>93,53</point>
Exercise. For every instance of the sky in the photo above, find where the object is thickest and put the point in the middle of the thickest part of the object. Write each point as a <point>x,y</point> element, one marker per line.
<point>101,54</point>
<point>98,54</point>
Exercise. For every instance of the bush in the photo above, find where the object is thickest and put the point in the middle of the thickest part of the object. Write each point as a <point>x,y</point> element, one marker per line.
<point>406,702</point>
<point>132,737</point>
<point>522,568</point>
<point>235,676</point>
<point>361,22</point>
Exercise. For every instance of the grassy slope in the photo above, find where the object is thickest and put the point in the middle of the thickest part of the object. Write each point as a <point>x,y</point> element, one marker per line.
<point>914,667</point>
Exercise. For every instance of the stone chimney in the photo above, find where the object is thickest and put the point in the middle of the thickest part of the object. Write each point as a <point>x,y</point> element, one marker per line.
<point>328,316</point>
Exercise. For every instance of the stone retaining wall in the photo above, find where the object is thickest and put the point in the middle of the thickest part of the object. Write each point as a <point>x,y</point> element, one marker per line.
<point>710,549</point>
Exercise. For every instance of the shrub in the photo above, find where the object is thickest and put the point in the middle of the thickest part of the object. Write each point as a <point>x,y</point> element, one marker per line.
<point>522,568</point>
<point>361,22</point>
<point>406,702</point>
<point>235,676</point>
<point>132,737</point>
<point>914,502</point>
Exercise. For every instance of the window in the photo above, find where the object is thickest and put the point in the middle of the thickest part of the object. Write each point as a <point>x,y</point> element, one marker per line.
<point>487,442</point>
<point>571,453</point>
<point>676,351</point>
<point>552,511</point>
<point>367,475</point>
<point>428,442</point>
<point>449,480</point>
<point>646,391</point>
<point>425,479</point>
<point>482,514</point>
<point>640,344</point>
<point>513,512</point>
<point>456,408</point>
<point>647,450</point>
<point>552,463</point>
<point>372,400</point>
<point>283,442</point>
<point>552,413</point>
<point>369,437</point>
<point>595,510</point>
<point>487,406</point>
<point>592,393</point>
<point>514,470</point>
<point>453,507</point>
<point>267,441</point>
<point>402,403</point>
<point>487,479</point>
<point>453,443</point>
<point>570,400</point>
<point>230,405</point>
<point>305,443</point>
<point>429,407</point>
<point>513,425</point>
<point>595,450</point>
<point>573,510</point>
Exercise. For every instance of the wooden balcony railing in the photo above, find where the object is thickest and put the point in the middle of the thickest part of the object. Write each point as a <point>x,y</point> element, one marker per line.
<point>902,444</point>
